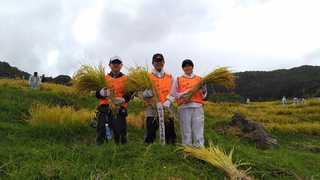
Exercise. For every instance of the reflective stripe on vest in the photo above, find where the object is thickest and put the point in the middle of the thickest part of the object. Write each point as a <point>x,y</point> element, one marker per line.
<point>117,87</point>
<point>162,85</point>
<point>185,84</point>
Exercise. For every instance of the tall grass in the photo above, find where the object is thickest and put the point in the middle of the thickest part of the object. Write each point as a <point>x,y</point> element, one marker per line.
<point>41,114</point>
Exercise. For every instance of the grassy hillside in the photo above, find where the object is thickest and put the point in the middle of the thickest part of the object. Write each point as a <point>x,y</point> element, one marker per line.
<point>69,152</point>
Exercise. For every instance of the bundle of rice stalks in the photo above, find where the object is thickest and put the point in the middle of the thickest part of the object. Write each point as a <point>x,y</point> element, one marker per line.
<point>138,80</point>
<point>46,115</point>
<point>221,76</point>
<point>219,159</point>
<point>89,78</point>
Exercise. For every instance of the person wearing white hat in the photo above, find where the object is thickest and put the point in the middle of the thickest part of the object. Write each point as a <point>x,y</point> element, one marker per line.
<point>116,120</point>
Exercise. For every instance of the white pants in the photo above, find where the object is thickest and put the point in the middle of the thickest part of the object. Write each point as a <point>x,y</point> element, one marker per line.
<point>191,125</point>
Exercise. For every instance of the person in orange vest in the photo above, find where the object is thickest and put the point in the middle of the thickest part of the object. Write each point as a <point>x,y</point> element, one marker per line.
<point>117,120</point>
<point>191,115</point>
<point>163,84</point>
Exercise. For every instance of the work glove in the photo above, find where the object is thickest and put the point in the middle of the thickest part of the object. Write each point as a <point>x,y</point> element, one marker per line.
<point>104,92</point>
<point>119,100</point>
<point>166,104</point>
<point>147,93</point>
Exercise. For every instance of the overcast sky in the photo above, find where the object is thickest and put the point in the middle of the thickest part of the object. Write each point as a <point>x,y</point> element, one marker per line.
<point>56,36</point>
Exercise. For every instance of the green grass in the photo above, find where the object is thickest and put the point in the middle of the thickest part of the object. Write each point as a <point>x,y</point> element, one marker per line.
<point>28,152</point>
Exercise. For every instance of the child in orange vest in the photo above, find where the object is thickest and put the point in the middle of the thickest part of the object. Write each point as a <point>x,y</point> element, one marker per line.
<point>116,120</point>
<point>191,115</point>
<point>163,84</point>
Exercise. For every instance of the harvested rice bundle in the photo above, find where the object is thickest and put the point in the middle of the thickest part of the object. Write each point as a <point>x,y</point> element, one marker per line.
<point>219,159</point>
<point>221,76</point>
<point>89,78</point>
<point>138,80</point>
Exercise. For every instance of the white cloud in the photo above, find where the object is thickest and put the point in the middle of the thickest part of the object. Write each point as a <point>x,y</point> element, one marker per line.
<point>278,29</point>
<point>241,34</point>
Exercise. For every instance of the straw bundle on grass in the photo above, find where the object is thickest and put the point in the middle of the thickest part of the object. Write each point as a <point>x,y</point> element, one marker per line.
<point>221,76</point>
<point>219,159</point>
<point>89,78</point>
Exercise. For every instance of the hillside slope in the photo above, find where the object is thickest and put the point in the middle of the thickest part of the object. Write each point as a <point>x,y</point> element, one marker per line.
<point>301,81</point>
<point>28,152</point>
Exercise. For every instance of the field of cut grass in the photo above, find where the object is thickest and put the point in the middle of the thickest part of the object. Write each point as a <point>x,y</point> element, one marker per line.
<point>69,152</point>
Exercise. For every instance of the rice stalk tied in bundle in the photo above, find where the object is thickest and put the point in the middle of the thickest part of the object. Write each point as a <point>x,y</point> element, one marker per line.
<point>221,76</point>
<point>218,158</point>
<point>139,80</point>
<point>89,78</point>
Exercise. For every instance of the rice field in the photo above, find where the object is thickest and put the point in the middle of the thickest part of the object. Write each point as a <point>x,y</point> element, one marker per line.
<point>45,135</point>
<point>291,118</point>
<point>23,84</point>
<point>41,114</point>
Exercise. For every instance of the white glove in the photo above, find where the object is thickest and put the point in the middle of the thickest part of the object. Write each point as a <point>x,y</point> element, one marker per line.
<point>119,100</point>
<point>147,93</point>
<point>104,92</point>
<point>167,104</point>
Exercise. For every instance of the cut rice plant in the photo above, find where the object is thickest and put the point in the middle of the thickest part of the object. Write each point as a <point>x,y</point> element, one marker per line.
<point>219,159</point>
<point>138,79</point>
<point>41,114</point>
<point>221,76</point>
<point>89,78</point>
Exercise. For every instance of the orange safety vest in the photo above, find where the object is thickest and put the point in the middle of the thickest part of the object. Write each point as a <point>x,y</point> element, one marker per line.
<point>185,84</point>
<point>117,87</point>
<point>162,85</point>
